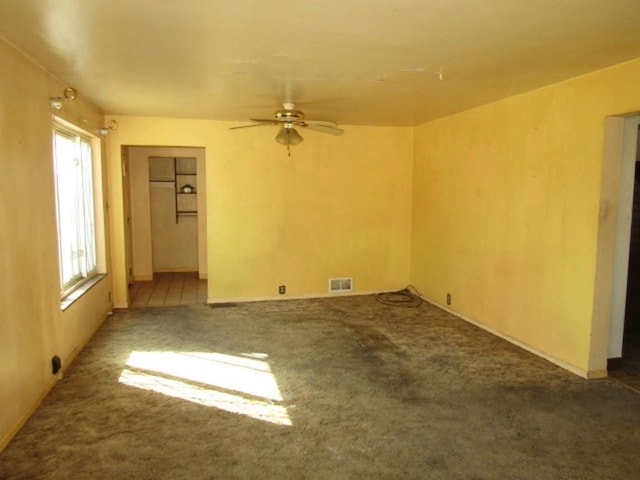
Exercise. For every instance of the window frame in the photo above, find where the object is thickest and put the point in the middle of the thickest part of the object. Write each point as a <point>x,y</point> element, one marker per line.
<point>89,241</point>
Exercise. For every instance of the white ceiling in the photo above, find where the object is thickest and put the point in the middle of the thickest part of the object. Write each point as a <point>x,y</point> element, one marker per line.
<point>368,62</point>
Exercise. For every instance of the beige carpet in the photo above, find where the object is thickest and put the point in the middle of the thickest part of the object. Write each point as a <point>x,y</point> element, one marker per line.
<point>342,388</point>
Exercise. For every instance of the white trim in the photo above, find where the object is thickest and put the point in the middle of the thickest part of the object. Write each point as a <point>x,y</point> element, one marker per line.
<point>142,278</point>
<point>560,363</point>
<point>31,408</point>
<point>623,235</point>
<point>556,361</point>
<point>213,301</point>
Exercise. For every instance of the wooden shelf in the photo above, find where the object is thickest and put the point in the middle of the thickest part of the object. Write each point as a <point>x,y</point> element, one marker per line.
<point>182,173</point>
<point>185,173</point>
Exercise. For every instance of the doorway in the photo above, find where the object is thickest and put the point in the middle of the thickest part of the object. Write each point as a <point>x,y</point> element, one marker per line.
<point>627,370</point>
<point>624,341</point>
<point>167,216</point>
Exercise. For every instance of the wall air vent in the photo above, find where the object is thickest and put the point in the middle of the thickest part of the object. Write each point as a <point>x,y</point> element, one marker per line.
<point>340,284</point>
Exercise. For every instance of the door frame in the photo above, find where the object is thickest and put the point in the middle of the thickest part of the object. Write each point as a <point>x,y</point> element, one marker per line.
<point>616,209</point>
<point>136,153</point>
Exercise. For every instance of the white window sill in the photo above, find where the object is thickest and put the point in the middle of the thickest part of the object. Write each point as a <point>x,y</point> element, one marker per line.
<point>73,296</point>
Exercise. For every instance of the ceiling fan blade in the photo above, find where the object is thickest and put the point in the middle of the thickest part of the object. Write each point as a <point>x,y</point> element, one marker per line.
<point>318,127</point>
<point>268,121</point>
<point>322,122</point>
<point>254,125</point>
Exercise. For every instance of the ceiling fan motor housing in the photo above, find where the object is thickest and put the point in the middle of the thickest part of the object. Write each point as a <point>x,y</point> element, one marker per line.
<point>289,115</point>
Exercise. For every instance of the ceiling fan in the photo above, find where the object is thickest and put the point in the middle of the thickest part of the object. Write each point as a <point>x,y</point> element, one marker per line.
<point>290,118</point>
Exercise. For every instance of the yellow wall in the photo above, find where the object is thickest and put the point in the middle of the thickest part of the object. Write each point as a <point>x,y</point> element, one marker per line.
<point>499,206</point>
<point>506,201</point>
<point>33,328</point>
<point>339,206</point>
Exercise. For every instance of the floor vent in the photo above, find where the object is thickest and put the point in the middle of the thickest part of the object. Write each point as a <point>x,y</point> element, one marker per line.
<point>340,284</point>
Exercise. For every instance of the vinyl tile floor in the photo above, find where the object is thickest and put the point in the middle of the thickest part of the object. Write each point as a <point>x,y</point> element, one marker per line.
<point>169,289</point>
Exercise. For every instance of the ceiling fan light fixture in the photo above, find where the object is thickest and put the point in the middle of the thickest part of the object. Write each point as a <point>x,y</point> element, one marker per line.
<point>288,136</point>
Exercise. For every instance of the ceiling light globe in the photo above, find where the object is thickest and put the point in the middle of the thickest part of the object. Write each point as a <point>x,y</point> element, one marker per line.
<point>288,136</point>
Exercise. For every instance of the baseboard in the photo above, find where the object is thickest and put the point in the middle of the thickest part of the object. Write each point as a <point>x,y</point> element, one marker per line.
<point>30,410</point>
<point>176,270</point>
<point>33,406</point>
<point>142,278</point>
<point>149,278</point>
<point>213,301</point>
<point>593,374</point>
<point>588,374</point>
<point>74,353</point>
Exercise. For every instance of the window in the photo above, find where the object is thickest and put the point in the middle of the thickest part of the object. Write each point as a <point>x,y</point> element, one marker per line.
<point>74,175</point>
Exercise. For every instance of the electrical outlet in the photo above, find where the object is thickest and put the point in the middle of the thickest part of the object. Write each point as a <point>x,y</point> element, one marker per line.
<point>282,289</point>
<point>56,364</point>
<point>448,299</point>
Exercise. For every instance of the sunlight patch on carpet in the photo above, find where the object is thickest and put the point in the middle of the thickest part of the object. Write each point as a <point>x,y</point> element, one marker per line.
<point>238,384</point>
